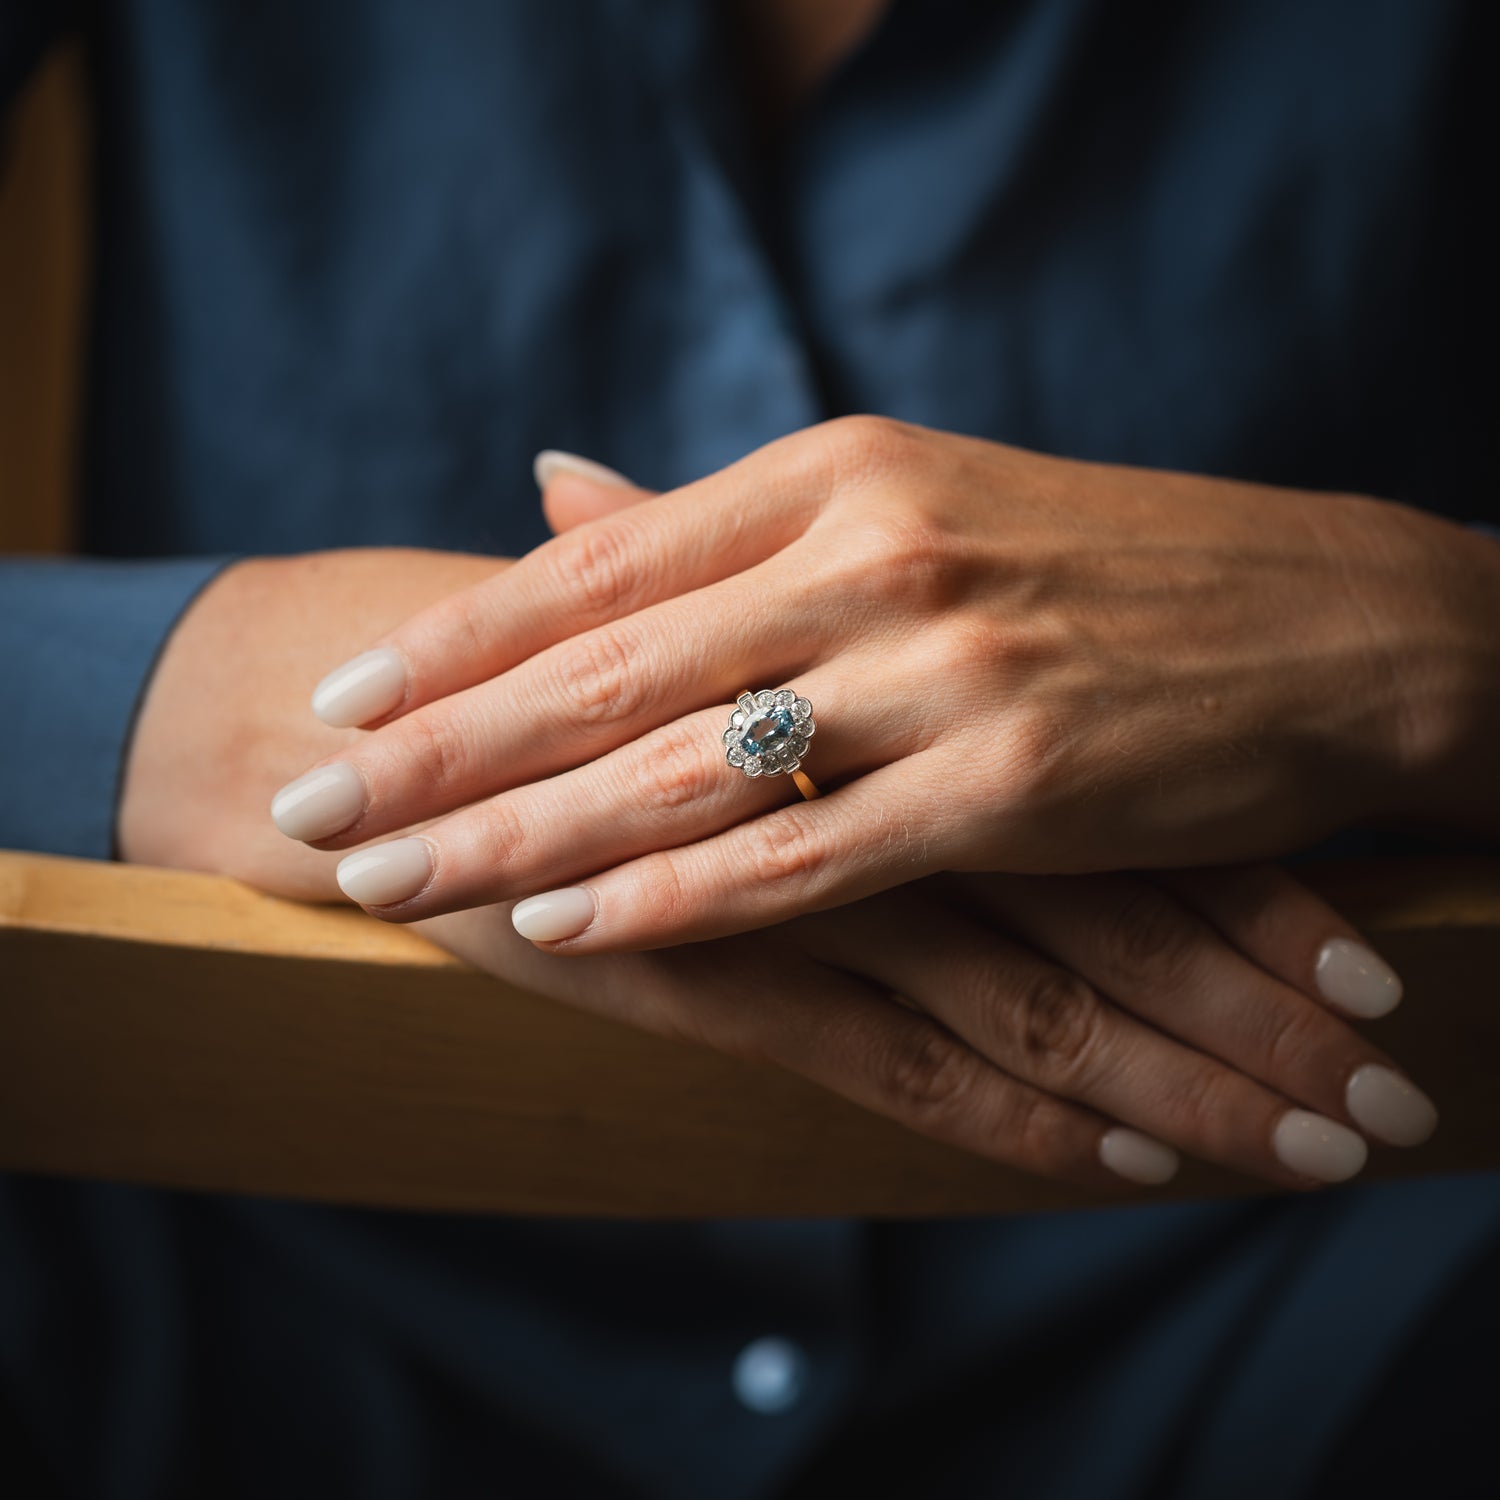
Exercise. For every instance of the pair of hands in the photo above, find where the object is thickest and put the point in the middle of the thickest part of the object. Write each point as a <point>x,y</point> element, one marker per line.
<point>1019,665</point>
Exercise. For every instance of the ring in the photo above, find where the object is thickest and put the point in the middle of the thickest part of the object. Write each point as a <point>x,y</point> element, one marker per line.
<point>768,734</point>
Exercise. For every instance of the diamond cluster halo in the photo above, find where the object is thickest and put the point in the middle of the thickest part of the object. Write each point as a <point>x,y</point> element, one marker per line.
<point>768,732</point>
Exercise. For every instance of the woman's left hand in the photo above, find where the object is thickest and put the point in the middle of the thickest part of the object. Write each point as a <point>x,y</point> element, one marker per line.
<point>1016,662</point>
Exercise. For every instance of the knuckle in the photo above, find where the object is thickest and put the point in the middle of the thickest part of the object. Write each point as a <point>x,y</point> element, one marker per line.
<point>1059,1024</point>
<point>596,678</point>
<point>1197,1107</point>
<point>1029,766</point>
<point>435,746</point>
<point>897,542</point>
<point>596,566</point>
<point>847,456</point>
<point>502,839</point>
<point>1293,1038</point>
<point>924,1075</point>
<point>1149,938</point>
<point>463,628</point>
<point>1032,1135</point>
<point>964,647</point>
<point>673,771</point>
<point>891,554</point>
<point>791,850</point>
<point>666,897</point>
<point>865,441</point>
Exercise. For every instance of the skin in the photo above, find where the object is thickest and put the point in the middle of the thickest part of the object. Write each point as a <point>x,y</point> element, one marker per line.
<point>1020,664</point>
<point>1016,1017</point>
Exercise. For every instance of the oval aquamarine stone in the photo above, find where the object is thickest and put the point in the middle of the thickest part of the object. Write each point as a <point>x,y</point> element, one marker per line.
<point>766,730</point>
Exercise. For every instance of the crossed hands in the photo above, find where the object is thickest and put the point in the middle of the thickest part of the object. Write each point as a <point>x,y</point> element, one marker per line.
<point>1066,713</point>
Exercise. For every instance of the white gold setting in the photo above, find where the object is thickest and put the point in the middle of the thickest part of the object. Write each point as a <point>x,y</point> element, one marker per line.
<point>768,732</point>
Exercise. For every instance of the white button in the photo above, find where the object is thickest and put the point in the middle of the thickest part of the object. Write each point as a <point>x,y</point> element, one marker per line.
<point>769,1374</point>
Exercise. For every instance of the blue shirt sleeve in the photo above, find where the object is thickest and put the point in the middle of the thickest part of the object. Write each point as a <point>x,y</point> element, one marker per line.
<point>78,640</point>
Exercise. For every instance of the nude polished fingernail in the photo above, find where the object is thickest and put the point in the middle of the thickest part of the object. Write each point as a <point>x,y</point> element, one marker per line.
<point>319,803</point>
<point>1352,976</point>
<point>1318,1147</point>
<point>553,461</point>
<point>371,684</point>
<point>386,873</point>
<point>1138,1157</point>
<point>1390,1106</point>
<point>553,915</point>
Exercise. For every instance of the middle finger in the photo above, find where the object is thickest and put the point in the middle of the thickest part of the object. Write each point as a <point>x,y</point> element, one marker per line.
<point>560,709</point>
<point>670,788</point>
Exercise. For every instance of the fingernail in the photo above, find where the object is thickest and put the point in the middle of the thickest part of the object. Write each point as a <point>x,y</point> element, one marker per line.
<point>1390,1106</point>
<point>1318,1147</point>
<point>1353,977</point>
<point>372,684</point>
<point>386,873</point>
<point>551,462</point>
<point>553,914</point>
<point>319,803</point>
<point>1138,1157</point>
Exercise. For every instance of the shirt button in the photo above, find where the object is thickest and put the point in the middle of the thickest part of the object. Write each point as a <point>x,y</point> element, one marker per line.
<point>769,1374</point>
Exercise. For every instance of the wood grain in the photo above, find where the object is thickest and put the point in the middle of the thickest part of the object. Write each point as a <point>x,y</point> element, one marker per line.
<point>173,1028</point>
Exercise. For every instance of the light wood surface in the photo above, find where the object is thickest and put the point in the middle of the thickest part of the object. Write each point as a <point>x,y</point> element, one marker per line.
<point>164,1027</point>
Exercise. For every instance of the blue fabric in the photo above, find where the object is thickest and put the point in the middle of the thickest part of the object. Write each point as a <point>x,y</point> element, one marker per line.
<point>357,261</point>
<point>79,641</point>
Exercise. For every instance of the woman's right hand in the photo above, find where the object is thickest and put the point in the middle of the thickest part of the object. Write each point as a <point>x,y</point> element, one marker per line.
<point>1085,1028</point>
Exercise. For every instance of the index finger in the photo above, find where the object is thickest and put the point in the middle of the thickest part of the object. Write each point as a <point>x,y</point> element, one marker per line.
<point>1291,931</point>
<point>597,572</point>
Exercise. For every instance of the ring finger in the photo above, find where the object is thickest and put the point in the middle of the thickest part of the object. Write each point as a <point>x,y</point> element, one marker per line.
<point>668,788</point>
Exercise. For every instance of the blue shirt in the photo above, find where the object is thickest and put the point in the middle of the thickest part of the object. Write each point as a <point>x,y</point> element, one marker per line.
<point>356,263</point>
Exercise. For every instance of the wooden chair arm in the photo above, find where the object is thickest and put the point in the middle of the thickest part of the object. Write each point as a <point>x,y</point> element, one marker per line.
<point>185,1030</point>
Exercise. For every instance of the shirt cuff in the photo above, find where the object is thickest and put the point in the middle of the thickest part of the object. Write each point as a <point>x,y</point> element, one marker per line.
<point>79,639</point>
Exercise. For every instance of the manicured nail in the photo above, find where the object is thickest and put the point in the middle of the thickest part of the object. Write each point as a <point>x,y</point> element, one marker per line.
<point>553,461</point>
<point>319,803</point>
<point>554,914</point>
<point>1138,1157</point>
<point>372,684</point>
<point>1353,977</point>
<point>1318,1147</point>
<point>1390,1106</point>
<point>386,873</point>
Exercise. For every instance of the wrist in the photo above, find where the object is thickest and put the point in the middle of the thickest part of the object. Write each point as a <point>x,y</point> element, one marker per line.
<point>1439,620</point>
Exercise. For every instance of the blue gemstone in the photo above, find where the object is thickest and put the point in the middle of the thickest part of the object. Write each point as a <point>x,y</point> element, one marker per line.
<point>767,729</point>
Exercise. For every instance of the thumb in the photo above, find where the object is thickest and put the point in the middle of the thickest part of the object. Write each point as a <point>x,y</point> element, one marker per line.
<point>577,489</point>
